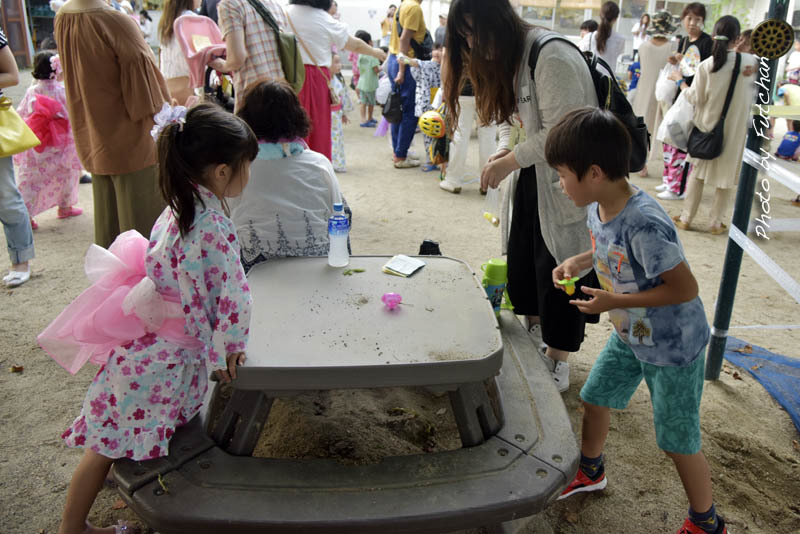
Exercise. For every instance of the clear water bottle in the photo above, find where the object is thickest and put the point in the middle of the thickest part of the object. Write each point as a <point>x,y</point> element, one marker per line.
<point>338,230</point>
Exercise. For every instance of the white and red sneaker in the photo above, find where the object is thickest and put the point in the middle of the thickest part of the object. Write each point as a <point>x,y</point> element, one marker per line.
<point>582,484</point>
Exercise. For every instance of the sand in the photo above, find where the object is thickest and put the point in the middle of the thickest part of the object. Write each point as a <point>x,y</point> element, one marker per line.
<point>749,440</point>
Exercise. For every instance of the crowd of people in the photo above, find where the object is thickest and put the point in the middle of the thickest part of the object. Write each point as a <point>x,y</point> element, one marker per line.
<point>191,199</point>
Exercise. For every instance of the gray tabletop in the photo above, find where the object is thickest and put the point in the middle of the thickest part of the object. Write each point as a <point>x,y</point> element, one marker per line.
<point>314,327</point>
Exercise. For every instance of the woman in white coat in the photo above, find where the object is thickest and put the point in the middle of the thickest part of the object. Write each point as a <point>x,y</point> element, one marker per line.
<point>707,94</point>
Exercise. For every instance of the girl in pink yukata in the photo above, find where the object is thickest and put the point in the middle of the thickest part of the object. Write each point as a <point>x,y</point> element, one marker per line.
<point>49,173</point>
<point>160,314</point>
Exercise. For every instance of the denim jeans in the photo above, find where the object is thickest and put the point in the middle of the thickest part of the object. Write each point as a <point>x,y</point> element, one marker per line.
<point>403,133</point>
<point>14,216</point>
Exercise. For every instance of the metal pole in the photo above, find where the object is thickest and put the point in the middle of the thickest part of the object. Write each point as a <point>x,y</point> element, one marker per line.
<point>741,216</point>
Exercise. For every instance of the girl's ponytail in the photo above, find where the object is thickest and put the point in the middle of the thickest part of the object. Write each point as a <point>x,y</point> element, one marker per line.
<point>608,14</point>
<point>188,151</point>
<point>726,31</point>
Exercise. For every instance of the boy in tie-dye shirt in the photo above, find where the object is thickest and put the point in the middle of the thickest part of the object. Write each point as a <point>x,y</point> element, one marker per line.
<point>651,297</point>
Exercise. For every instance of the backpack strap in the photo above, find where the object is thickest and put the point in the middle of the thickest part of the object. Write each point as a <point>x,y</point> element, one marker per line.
<point>592,60</point>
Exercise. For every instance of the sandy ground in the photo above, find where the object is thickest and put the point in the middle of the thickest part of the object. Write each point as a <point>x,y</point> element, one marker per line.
<point>749,440</point>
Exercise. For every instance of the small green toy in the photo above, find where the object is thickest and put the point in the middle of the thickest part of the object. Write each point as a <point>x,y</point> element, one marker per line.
<point>569,284</point>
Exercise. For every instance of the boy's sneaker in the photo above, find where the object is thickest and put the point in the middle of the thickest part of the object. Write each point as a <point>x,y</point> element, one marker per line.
<point>366,124</point>
<point>558,370</point>
<point>583,484</point>
<point>690,528</point>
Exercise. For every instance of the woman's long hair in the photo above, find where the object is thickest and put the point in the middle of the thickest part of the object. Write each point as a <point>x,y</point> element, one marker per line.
<point>642,25</point>
<point>186,151</point>
<point>608,14</point>
<point>172,10</point>
<point>727,26</point>
<point>498,42</point>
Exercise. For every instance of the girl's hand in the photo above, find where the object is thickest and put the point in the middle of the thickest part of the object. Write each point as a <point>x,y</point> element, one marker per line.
<point>600,302</point>
<point>233,359</point>
<point>345,119</point>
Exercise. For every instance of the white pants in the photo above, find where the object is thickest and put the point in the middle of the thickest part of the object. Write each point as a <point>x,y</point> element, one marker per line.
<point>459,147</point>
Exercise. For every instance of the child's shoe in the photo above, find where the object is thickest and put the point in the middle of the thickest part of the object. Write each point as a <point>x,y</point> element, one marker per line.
<point>582,484</point>
<point>690,528</point>
<point>372,122</point>
<point>72,211</point>
<point>34,225</point>
<point>366,124</point>
<point>428,167</point>
<point>558,370</point>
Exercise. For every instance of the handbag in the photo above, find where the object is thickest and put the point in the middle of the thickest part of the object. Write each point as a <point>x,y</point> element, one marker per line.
<point>15,135</point>
<point>393,109</point>
<point>333,95</point>
<point>294,71</point>
<point>708,145</point>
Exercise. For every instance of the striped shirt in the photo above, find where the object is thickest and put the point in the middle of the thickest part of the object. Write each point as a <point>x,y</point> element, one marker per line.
<point>3,44</point>
<point>262,61</point>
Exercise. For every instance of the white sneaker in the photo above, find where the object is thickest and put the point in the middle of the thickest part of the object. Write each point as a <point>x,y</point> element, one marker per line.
<point>449,186</point>
<point>558,370</point>
<point>669,195</point>
<point>535,332</point>
<point>661,187</point>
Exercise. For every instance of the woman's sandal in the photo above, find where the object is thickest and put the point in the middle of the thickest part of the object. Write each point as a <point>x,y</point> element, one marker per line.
<point>680,223</point>
<point>717,230</point>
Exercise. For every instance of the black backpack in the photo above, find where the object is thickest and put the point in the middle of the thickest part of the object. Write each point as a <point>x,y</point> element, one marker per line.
<point>609,96</point>
<point>422,51</point>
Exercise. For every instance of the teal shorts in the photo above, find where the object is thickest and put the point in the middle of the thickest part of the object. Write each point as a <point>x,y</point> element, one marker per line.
<point>675,393</point>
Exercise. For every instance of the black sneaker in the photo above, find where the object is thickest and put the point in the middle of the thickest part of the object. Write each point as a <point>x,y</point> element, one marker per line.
<point>86,179</point>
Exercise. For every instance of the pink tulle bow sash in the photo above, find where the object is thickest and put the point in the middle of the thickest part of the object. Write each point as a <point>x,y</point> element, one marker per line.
<point>49,122</point>
<point>121,305</point>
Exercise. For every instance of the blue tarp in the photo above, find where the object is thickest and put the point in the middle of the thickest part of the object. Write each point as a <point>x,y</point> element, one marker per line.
<point>779,374</point>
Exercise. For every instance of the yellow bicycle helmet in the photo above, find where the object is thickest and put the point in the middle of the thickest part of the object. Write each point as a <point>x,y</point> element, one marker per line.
<point>431,123</point>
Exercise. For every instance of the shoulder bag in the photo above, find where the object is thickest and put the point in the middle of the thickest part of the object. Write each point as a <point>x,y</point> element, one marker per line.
<point>294,71</point>
<point>15,135</point>
<point>334,97</point>
<point>708,145</point>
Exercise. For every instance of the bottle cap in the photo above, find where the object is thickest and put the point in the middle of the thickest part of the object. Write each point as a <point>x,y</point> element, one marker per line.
<point>338,206</point>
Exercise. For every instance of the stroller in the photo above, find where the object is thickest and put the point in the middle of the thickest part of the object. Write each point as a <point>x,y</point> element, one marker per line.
<point>201,41</point>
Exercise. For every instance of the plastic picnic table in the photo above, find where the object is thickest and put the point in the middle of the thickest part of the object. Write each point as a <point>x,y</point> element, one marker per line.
<point>314,327</point>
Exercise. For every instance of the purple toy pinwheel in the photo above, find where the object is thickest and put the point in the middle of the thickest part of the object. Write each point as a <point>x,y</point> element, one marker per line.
<point>167,116</point>
<point>391,300</point>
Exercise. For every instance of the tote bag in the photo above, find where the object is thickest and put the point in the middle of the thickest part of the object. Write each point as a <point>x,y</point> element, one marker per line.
<point>15,135</point>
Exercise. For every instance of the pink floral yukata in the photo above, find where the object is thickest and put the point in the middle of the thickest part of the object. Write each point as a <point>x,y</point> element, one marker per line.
<point>49,178</point>
<point>150,385</point>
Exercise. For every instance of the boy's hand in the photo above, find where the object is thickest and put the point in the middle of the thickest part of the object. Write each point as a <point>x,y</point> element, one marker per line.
<point>568,269</point>
<point>233,359</point>
<point>600,302</point>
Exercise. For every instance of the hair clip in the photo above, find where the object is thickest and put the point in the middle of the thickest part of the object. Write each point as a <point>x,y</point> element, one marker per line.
<point>167,116</point>
<point>55,65</point>
<point>720,38</point>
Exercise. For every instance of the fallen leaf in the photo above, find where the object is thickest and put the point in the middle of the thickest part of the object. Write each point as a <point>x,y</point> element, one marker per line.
<point>747,349</point>
<point>756,367</point>
<point>796,445</point>
<point>441,412</point>
<point>16,369</point>
<point>737,376</point>
<point>571,517</point>
<point>119,505</point>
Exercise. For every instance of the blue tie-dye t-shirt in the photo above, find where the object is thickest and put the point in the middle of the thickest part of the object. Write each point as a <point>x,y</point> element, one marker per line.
<point>630,252</point>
